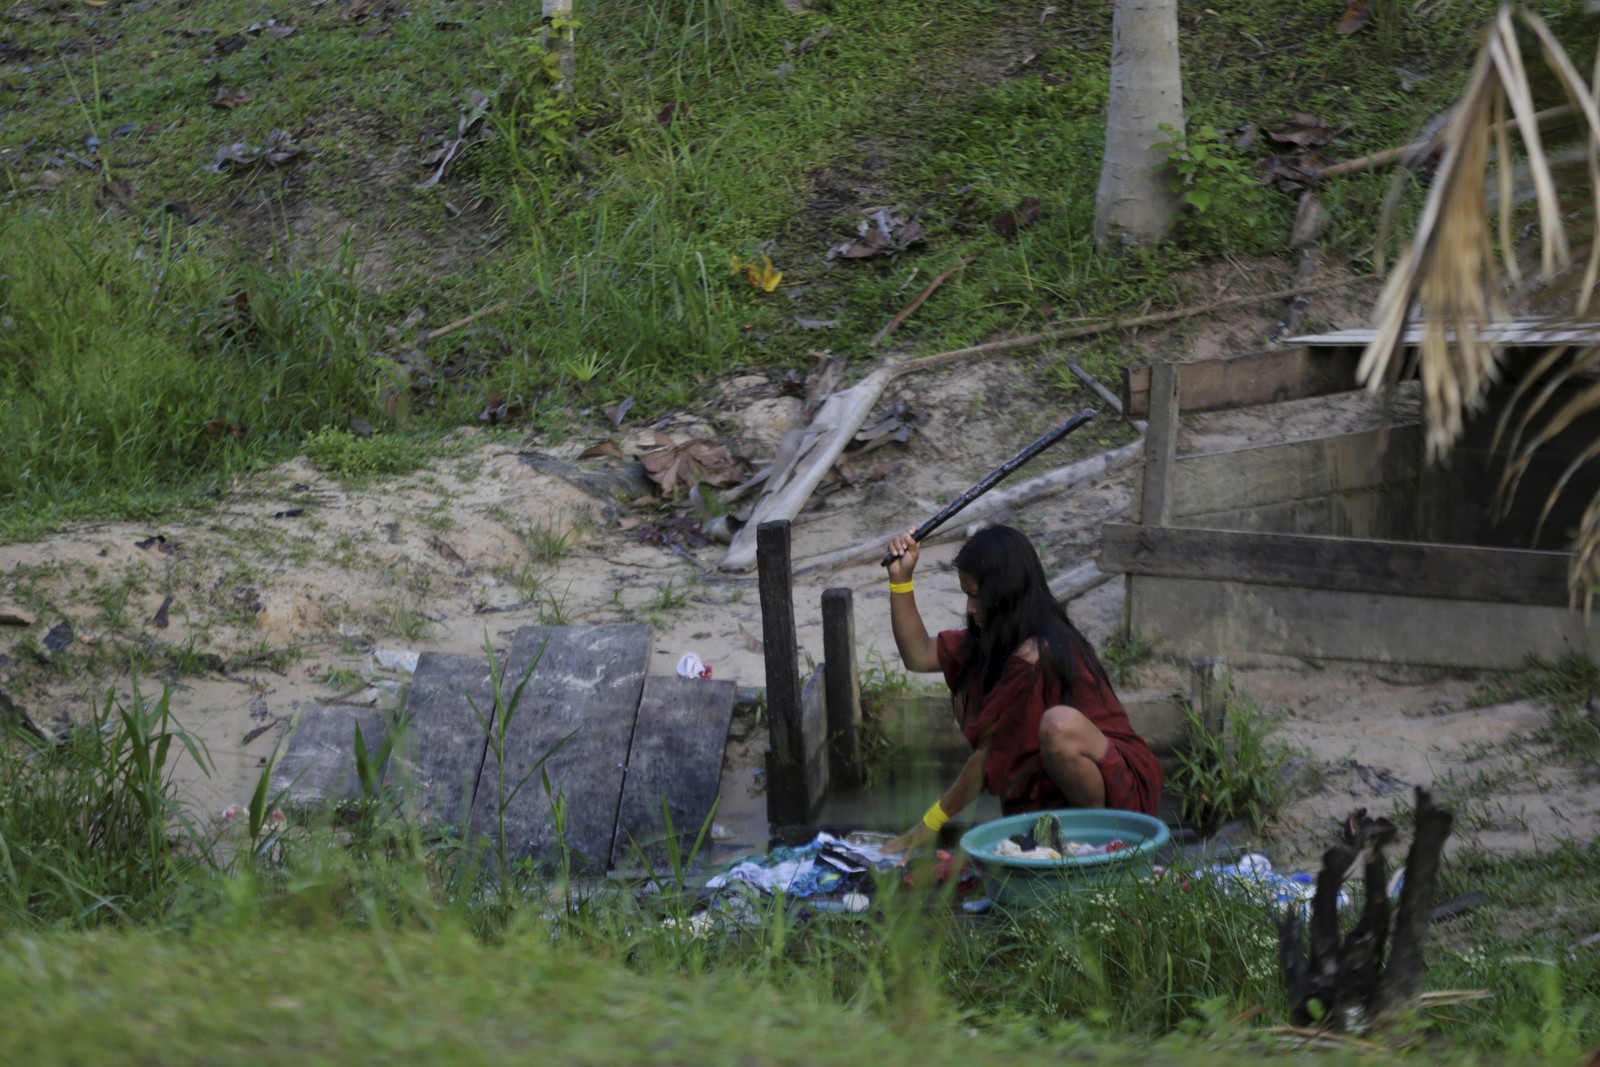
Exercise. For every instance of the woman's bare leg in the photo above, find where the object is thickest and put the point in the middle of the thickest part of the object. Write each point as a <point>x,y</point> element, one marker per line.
<point>1071,747</point>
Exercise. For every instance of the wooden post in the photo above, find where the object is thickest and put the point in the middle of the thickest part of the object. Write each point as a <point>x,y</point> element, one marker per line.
<point>843,686</point>
<point>1208,692</point>
<point>786,786</point>
<point>1160,446</point>
<point>1160,456</point>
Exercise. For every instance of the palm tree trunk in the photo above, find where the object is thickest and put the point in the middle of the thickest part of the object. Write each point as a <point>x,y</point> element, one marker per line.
<point>557,19</point>
<point>1136,203</point>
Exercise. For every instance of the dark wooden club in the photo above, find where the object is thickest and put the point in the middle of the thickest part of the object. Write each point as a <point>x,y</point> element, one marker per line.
<point>995,477</point>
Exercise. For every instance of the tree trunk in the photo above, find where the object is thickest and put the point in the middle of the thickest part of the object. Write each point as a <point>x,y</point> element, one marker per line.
<point>557,19</point>
<point>1135,203</point>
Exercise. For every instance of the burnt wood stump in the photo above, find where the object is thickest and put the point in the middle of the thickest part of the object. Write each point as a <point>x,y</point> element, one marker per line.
<point>1347,983</point>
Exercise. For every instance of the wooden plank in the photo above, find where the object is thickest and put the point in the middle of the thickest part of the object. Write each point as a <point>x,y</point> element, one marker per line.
<point>814,734</point>
<point>1396,568</point>
<point>1387,512</point>
<point>1195,617</point>
<point>1520,332</point>
<point>787,803</point>
<point>678,743</point>
<point>1323,466</point>
<point>1251,378</point>
<point>578,709</point>
<point>441,750</point>
<point>1160,447</point>
<point>318,766</point>
<point>843,685</point>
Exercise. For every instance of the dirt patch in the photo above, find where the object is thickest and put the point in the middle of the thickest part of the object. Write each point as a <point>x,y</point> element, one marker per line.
<point>288,591</point>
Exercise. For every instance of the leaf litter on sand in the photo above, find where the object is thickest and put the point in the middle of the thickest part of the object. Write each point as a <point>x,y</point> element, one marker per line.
<point>673,466</point>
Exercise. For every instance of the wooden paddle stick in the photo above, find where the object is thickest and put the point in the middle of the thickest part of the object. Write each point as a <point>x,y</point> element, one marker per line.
<point>995,477</point>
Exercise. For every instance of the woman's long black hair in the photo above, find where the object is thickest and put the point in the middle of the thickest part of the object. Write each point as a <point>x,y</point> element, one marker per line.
<point>1016,602</point>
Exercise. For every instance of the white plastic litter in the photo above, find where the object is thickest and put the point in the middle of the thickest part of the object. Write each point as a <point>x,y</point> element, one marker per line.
<point>691,666</point>
<point>396,659</point>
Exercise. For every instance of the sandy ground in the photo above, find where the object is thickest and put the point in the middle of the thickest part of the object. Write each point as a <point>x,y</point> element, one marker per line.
<point>298,588</point>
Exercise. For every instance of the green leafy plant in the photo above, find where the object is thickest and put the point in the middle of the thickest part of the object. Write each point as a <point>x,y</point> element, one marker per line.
<point>1122,655</point>
<point>1235,770</point>
<point>1229,208</point>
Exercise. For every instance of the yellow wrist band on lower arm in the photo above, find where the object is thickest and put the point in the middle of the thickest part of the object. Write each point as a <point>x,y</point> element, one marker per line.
<point>901,587</point>
<point>935,817</point>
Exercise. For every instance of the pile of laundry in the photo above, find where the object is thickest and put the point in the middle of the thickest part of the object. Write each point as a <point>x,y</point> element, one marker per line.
<point>1253,873</point>
<point>839,869</point>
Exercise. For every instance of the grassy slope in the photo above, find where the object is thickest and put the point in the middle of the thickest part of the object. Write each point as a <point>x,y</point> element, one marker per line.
<point>146,298</point>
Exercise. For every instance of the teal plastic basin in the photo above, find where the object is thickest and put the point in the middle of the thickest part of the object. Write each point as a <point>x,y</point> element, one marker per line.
<point>1012,880</point>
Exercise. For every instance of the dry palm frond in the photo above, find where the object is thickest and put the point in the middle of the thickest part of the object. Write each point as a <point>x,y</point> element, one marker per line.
<point>1463,262</point>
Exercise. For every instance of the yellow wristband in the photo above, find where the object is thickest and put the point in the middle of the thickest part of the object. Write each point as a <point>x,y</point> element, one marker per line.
<point>901,587</point>
<point>935,817</point>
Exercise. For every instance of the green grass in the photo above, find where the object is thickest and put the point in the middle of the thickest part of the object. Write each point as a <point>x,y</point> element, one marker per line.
<point>1235,769</point>
<point>419,941</point>
<point>155,343</point>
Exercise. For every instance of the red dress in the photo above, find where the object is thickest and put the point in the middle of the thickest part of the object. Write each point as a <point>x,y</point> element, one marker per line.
<point>1011,713</point>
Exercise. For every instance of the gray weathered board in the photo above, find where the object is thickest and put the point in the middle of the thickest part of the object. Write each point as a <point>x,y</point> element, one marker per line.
<point>574,723</point>
<point>1396,568</point>
<point>1300,470</point>
<point>318,765</point>
<point>449,706</point>
<point>676,758</point>
<point>1196,617</point>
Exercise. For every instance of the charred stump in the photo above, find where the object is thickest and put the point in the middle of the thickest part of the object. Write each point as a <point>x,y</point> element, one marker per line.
<point>1347,982</point>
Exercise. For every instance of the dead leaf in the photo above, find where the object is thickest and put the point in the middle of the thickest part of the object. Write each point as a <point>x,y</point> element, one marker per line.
<point>160,619</point>
<point>677,466</point>
<point>497,409</point>
<point>230,44</point>
<point>441,546</point>
<point>1302,130</point>
<point>1356,16</point>
<point>228,99</point>
<point>883,234</point>
<point>617,412</point>
<point>815,324</point>
<point>822,382</point>
<point>671,113</point>
<point>281,147</point>
<point>629,522</point>
<point>678,531</point>
<point>223,428</point>
<point>117,191</point>
<point>604,448</point>
<point>752,643</point>
<point>1007,223</point>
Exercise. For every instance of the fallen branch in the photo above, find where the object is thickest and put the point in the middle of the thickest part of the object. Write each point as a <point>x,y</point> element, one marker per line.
<point>1081,579</point>
<point>1072,476</point>
<point>468,320</point>
<point>942,359</point>
<point>1095,387</point>
<point>916,302</point>
<point>1426,145</point>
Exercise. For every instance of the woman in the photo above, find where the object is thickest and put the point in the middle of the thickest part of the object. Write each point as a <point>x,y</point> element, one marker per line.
<point>1030,695</point>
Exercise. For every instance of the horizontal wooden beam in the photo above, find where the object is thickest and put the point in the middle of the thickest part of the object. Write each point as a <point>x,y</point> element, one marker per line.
<point>1192,617</point>
<point>1391,568</point>
<point>1298,470</point>
<point>1251,378</point>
